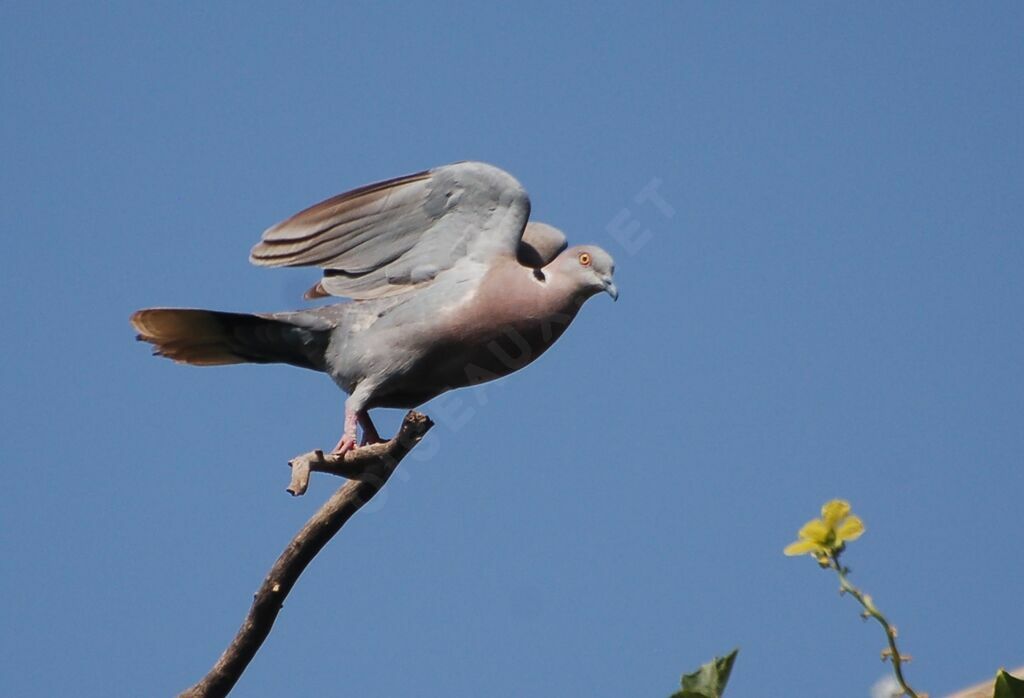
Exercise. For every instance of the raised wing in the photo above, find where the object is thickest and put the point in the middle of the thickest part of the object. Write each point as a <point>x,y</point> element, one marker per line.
<point>385,238</point>
<point>540,245</point>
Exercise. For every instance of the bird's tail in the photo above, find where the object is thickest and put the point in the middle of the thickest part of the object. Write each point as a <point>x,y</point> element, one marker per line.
<point>213,338</point>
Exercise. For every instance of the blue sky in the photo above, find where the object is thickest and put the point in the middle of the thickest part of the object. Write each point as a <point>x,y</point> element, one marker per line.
<point>824,299</point>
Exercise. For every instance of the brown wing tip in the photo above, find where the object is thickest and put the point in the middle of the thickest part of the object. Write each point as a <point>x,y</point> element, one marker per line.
<point>317,291</point>
<point>262,255</point>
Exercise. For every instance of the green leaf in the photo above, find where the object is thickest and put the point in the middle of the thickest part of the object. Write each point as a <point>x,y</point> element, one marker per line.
<point>1008,686</point>
<point>709,681</point>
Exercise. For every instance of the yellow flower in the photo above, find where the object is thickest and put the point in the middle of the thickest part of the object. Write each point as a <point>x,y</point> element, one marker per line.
<point>828,535</point>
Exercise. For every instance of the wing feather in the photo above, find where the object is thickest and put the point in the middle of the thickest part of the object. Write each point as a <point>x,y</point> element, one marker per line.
<point>540,245</point>
<point>387,237</point>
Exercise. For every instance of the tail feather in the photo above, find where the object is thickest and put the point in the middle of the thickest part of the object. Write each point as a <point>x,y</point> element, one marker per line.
<point>213,338</point>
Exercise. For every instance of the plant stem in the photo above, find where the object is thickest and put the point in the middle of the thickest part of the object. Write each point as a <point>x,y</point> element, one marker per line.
<point>870,610</point>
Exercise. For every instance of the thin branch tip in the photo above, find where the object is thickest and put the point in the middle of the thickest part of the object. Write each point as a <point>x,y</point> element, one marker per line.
<point>368,469</point>
<point>355,464</point>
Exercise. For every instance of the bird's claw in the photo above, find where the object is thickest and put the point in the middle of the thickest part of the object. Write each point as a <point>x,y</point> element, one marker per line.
<point>344,445</point>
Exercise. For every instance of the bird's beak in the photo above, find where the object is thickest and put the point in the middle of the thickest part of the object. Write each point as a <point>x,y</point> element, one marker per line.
<point>611,289</point>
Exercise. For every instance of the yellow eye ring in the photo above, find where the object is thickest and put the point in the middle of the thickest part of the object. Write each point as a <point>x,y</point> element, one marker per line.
<point>585,259</point>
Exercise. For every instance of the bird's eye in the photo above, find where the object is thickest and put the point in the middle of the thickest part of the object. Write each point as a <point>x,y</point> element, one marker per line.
<point>585,259</point>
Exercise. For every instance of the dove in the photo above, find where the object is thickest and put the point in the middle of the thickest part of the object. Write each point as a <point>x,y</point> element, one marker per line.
<point>450,285</point>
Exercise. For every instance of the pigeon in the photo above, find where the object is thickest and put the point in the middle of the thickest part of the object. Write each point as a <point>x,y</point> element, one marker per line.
<point>450,285</point>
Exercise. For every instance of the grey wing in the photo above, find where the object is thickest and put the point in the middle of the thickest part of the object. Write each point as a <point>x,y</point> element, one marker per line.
<point>540,245</point>
<point>388,237</point>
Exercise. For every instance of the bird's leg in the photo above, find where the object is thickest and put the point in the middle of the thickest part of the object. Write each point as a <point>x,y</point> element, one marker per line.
<point>347,442</point>
<point>355,413</point>
<point>370,435</point>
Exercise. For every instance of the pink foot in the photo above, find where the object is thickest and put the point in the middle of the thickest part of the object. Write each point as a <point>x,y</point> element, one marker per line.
<point>344,445</point>
<point>347,442</point>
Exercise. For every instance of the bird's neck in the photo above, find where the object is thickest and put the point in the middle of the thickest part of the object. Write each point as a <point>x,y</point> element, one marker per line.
<point>511,293</point>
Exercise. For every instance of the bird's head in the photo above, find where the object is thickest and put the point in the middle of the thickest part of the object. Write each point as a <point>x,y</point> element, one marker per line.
<point>589,269</point>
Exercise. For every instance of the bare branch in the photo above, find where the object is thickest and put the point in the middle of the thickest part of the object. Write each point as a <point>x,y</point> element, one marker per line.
<point>370,467</point>
<point>357,464</point>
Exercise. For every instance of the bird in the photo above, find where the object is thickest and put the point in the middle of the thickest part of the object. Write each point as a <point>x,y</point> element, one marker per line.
<point>449,285</point>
